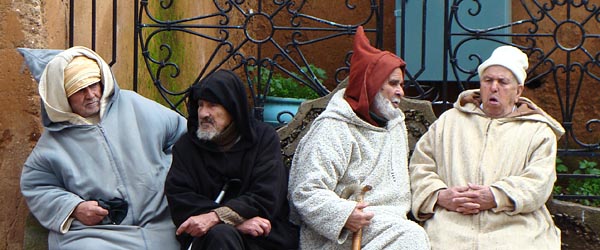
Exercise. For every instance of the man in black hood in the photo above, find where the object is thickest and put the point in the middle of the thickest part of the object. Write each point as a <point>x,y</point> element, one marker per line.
<point>227,185</point>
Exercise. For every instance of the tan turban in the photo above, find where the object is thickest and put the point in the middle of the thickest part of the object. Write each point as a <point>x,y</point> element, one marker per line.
<point>80,73</point>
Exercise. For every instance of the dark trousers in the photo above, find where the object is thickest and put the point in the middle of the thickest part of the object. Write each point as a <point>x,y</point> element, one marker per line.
<point>224,237</point>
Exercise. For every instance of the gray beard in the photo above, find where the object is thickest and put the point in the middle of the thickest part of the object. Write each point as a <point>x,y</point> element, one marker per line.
<point>206,135</point>
<point>385,107</point>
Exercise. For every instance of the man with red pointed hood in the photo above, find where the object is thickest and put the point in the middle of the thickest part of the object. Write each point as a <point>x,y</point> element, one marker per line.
<point>359,140</point>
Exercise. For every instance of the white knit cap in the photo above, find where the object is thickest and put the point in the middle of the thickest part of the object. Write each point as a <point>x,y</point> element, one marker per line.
<point>509,57</point>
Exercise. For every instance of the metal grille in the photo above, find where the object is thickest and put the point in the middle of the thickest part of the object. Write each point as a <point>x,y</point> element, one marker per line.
<point>253,38</point>
<point>561,37</point>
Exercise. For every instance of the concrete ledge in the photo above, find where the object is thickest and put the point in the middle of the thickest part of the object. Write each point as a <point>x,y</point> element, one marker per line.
<point>579,224</point>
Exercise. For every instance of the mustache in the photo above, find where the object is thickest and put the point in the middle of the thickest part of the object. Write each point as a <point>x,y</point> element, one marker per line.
<point>207,120</point>
<point>95,100</point>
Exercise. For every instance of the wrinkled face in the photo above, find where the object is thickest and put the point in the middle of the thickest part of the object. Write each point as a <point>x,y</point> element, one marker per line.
<point>499,91</point>
<point>392,90</point>
<point>213,118</point>
<point>86,102</point>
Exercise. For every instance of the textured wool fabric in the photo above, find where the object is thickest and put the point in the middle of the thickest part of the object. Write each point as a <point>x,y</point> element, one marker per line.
<point>509,57</point>
<point>80,73</point>
<point>369,69</point>
<point>514,155</point>
<point>339,150</point>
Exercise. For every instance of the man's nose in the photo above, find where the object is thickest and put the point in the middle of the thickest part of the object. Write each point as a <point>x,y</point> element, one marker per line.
<point>399,92</point>
<point>88,92</point>
<point>494,85</point>
<point>202,112</point>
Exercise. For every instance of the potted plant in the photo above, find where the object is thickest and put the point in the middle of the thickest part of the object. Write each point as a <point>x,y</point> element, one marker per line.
<point>286,93</point>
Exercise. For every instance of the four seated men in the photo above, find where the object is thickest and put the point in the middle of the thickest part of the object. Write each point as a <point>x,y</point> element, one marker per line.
<point>95,183</point>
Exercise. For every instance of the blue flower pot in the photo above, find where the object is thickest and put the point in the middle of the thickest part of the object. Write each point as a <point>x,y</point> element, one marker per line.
<point>284,108</point>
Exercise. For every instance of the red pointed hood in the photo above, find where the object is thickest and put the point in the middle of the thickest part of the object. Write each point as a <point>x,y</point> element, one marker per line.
<point>369,68</point>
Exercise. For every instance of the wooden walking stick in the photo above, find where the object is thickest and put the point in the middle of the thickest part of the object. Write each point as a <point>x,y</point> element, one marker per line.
<point>357,236</point>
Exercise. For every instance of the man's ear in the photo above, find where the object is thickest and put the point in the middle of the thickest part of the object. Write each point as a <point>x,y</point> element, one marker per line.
<point>519,92</point>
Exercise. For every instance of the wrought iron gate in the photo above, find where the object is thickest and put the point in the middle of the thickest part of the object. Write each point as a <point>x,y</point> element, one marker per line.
<point>257,39</point>
<point>561,37</point>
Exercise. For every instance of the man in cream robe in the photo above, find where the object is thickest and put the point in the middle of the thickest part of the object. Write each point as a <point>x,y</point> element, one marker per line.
<point>360,139</point>
<point>482,173</point>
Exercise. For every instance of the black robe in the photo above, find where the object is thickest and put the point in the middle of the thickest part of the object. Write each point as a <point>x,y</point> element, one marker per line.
<point>200,169</point>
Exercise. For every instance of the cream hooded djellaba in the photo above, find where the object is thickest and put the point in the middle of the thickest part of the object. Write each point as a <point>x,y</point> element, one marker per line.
<point>514,155</point>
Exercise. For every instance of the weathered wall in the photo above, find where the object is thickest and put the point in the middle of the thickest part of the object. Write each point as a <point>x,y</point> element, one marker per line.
<point>571,36</point>
<point>19,129</point>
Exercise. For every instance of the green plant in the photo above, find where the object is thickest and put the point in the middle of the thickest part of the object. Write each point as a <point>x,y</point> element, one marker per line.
<point>560,168</point>
<point>585,186</point>
<point>288,86</point>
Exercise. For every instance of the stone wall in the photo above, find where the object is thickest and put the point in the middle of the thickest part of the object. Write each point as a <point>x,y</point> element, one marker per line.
<point>20,26</point>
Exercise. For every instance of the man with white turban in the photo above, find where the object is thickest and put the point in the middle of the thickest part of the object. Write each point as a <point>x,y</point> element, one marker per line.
<point>95,178</point>
<point>482,173</point>
<point>359,140</point>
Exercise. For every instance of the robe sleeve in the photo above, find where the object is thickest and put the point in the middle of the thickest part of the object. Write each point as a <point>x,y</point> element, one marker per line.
<point>321,159</point>
<point>46,196</point>
<point>424,180</point>
<point>176,126</point>
<point>267,188</point>
<point>532,187</point>
<point>183,199</point>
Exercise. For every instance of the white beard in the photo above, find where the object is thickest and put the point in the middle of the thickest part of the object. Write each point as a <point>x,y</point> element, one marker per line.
<point>386,108</point>
<point>206,135</point>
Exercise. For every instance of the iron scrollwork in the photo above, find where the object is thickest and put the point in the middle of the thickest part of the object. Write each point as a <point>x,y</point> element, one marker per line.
<point>560,46</point>
<point>259,49</point>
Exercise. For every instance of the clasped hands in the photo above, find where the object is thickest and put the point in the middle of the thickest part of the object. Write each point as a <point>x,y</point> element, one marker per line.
<point>199,225</point>
<point>470,199</point>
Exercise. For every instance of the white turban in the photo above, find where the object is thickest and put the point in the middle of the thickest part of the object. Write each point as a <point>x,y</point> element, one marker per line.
<point>509,57</point>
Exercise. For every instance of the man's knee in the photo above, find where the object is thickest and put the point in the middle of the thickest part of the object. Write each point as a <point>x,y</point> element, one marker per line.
<point>221,236</point>
<point>223,231</point>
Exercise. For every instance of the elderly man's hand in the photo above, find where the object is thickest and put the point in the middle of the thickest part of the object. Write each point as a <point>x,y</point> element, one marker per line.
<point>471,199</point>
<point>89,213</point>
<point>485,197</point>
<point>256,226</point>
<point>458,199</point>
<point>358,218</point>
<point>198,225</point>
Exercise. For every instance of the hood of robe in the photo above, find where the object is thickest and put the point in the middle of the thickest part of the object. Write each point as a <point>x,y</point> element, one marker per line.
<point>369,68</point>
<point>55,104</point>
<point>469,101</point>
<point>226,88</point>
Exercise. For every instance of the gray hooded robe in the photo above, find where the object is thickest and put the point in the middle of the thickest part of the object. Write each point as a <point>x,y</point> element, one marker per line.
<point>125,155</point>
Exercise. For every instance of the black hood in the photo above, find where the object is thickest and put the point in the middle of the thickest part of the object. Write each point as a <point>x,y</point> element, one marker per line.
<point>226,88</point>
